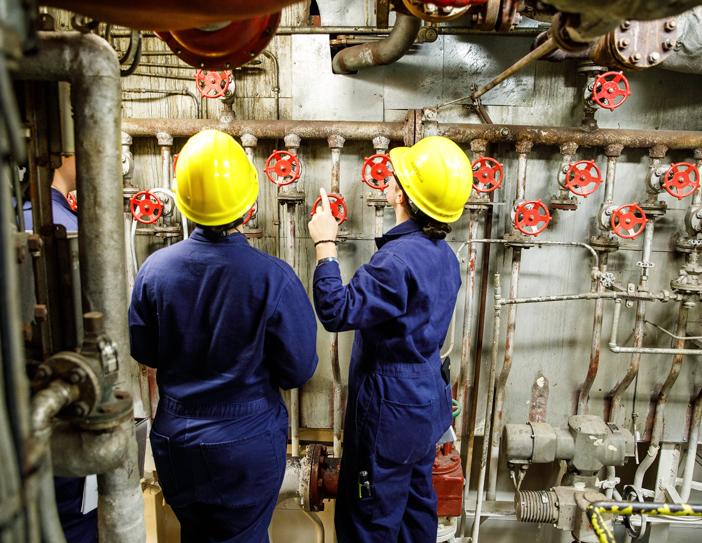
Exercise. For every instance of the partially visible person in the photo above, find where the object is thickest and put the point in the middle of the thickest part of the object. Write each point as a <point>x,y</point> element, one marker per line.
<point>63,184</point>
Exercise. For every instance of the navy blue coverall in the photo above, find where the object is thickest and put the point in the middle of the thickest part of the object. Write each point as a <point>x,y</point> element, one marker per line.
<point>77,527</point>
<point>225,325</point>
<point>401,304</point>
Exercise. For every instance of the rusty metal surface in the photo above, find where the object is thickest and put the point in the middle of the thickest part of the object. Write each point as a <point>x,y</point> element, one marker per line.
<point>638,44</point>
<point>539,399</point>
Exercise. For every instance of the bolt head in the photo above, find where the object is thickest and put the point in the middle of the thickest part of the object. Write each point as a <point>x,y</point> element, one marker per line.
<point>636,57</point>
<point>623,44</point>
<point>626,25</point>
<point>671,25</point>
<point>668,45</point>
<point>653,58</point>
<point>504,132</point>
<point>43,372</point>
<point>76,376</point>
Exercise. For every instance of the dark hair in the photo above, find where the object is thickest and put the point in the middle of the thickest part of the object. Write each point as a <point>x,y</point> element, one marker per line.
<point>215,233</point>
<point>432,228</point>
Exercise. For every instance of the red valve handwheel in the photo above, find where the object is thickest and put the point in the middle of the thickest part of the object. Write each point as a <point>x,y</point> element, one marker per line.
<point>681,180</point>
<point>487,174</point>
<point>212,84</point>
<point>583,178</point>
<point>251,214</point>
<point>611,90</point>
<point>72,202</point>
<point>338,207</point>
<point>529,215</point>
<point>628,221</point>
<point>282,168</point>
<point>146,207</point>
<point>377,171</point>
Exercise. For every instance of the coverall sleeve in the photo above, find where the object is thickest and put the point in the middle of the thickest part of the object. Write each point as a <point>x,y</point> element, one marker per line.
<point>143,331</point>
<point>377,292</point>
<point>291,337</point>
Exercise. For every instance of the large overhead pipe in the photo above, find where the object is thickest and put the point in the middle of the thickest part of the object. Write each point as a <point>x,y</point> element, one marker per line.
<point>90,65</point>
<point>379,53</point>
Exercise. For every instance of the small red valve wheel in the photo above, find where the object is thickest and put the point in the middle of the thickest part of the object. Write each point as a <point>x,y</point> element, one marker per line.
<point>487,174</point>
<point>250,214</point>
<point>611,90</point>
<point>628,221</point>
<point>531,217</point>
<point>72,201</point>
<point>583,178</point>
<point>212,84</point>
<point>175,162</point>
<point>146,207</point>
<point>338,207</point>
<point>377,171</point>
<point>282,168</point>
<point>681,180</point>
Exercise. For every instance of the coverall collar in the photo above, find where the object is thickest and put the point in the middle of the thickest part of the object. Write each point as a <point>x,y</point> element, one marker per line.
<point>402,229</point>
<point>236,237</point>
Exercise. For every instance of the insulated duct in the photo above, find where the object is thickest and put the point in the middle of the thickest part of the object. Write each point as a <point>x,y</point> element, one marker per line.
<point>687,57</point>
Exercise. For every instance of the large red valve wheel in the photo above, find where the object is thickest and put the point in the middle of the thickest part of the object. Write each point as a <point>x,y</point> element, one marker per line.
<point>146,207</point>
<point>532,217</point>
<point>611,90</point>
<point>377,171</point>
<point>282,168</point>
<point>488,174</point>
<point>628,221</point>
<point>72,201</point>
<point>681,180</point>
<point>251,214</point>
<point>212,84</point>
<point>583,178</point>
<point>337,204</point>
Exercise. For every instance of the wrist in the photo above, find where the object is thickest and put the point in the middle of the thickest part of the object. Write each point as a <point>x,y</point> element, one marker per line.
<point>325,250</point>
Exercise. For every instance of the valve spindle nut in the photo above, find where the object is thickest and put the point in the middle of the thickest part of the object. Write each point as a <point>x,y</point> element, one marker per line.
<point>76,376</point>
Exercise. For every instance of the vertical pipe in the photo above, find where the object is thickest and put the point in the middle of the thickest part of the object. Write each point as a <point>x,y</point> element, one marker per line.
<point>612,152</point>
<point>697,197</point>
<point>336,144</point>
<point>380,144</point>
<point>249,142</point>
<point>165,142</point>
<point>523,150</point>
<point>292,143</point>
<point>475,536</point>
<point>567,151</point>
<point>692,442</point>
<point>595,347</point>
<point>662,402</point>
<point>616,414</point>
<point>500,392</point>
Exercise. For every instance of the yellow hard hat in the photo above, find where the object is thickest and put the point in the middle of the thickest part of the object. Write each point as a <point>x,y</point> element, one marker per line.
<point>436,175</point>
<point>216,182</point>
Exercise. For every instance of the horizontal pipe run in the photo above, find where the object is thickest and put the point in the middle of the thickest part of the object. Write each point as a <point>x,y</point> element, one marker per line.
<point>615,348</point>
<point>320,130</point>
<point>588,296</point>
<point>540,244</point>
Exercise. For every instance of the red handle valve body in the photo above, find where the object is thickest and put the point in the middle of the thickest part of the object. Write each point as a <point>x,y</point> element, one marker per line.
<point>611,90</point>
<point>377,171</point>
<point>337,204</point>
<point>212,84</point>
<point>583,178</point>
<point>681,180</point>
<point>282,168</point>
<point>628,221</point>
<point>488,174</point>
<point>146,207</point>
<point>532,217</point>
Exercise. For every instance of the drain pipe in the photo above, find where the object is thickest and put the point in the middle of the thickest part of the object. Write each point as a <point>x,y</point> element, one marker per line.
<point>386,51</point>
<point>336,144</point>
<point>676,366</point>
<point>523,149</point>
<point>90,65</point>
<point>165,142</point>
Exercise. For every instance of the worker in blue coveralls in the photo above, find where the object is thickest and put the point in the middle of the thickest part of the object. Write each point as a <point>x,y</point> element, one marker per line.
<point>79,520</point>
<point>226,326</point>
<point>400,304</point>
<point>63,185</point>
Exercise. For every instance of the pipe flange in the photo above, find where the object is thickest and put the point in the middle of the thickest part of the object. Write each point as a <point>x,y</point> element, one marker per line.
<point>687,245</point>
<point>291,197</point>
<point>654,210</point>
<point>517,241</point>
<point>604,244</point>
<point>253,233</point>
<point>110,414</point>
<point>78,370</point>
<point>568,203</point>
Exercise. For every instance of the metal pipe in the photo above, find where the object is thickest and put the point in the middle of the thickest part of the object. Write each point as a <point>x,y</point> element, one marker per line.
<point>386,51</point>
<point>500,392</point>
<point>595,347</point>
<point>51,529</point>
<point>249,142</point>
<point>120,501</point>
<point>166,93</point>
<point>464,375</point>
<point>697,196</point>
<point>276,89</point>
<point>292,143</point>
<point>692,442</point>
<point>77,453</point>
<point>90,65</point>
<point>475,535</point>
<point>651,296</point>
<point>165,142</point>
<point>549,46</point>
<point>336,144</point>
<point>523,149</point>
<point>546,135</point>
<point>380,144</point>
<point>318,525</point>
<point>541,243</point>
<point>613,152</point>
<point>319,130</point>
<point>442,30</point>
<point>662,402</point>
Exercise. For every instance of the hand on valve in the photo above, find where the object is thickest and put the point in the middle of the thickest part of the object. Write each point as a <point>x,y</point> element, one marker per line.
<point>323,229</point>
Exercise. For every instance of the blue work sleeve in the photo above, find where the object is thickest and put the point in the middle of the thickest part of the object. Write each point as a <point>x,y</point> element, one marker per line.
<point>143,331</point>
<point>291,337</point>
<point>377,292</point>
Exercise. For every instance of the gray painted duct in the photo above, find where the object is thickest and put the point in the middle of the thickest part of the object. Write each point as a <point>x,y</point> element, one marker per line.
<point>688,54</point>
